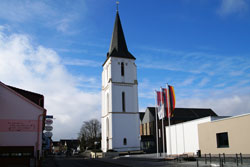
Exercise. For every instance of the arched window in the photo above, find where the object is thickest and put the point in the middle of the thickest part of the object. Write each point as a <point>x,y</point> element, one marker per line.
<point>107,102</point>
<point>124,141</point>
<point>122,69</point>
<point>107,127</point>
<point>107,132</point>
<point>123,102</point>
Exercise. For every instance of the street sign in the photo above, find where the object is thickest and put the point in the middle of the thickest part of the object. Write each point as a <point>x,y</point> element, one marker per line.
<point>48,128</point>
<point>48,121</point>
<point>49,116</point>
<point>48,134</point>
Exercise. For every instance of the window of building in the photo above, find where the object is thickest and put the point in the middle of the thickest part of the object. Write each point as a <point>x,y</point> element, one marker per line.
<point>107,102</point>
<point>122,69</point>
<point>124,141</point>
<point>222,140</point>
<point>123,102</point>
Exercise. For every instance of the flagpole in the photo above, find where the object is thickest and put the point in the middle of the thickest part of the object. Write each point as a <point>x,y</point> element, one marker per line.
<point>156,125</point>
<point>169,124</point>
<point>162,127</point>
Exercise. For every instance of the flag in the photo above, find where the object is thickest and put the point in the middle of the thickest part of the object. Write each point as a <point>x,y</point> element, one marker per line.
<point>165,101</point>
<point>158,95</point>
<point>171,99</point>
<point>160,104</point>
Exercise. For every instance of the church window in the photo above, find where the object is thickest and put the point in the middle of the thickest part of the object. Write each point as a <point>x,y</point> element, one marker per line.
<point>107,126</point>
<point>123,102</point>
<point>107,74</point>
<point>122,69</point>
<point>107,102</point>
<point>124,141</point>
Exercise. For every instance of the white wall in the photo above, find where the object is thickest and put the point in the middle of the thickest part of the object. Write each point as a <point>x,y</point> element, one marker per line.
<point>127,126</point>
<point>18,120</point>
<point>121,124</point>
<point>184,136</point>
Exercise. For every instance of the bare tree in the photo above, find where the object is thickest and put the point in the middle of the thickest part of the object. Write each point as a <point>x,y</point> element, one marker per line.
<point>90,133</point>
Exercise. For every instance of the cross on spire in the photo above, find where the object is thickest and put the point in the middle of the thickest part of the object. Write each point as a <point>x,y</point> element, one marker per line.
<point>117,5</point>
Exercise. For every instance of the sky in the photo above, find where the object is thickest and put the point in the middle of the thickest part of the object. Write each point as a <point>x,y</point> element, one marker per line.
<point>57,48</point>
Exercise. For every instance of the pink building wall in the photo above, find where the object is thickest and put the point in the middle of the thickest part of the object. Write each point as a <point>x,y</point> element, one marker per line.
<point>19,120</point>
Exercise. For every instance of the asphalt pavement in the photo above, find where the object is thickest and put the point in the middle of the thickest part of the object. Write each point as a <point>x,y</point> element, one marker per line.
<point>127,162</point>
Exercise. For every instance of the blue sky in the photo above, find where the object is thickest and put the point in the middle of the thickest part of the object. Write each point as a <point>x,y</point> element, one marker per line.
<point>57,48</point>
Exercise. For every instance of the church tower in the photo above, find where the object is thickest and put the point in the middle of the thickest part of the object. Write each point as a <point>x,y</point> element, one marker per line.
<point>120,116</point>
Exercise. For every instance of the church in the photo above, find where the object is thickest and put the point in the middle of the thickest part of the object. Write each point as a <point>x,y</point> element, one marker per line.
<point>120,115</point>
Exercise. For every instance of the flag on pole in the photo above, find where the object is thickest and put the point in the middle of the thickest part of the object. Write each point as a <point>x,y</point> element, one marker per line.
<point>171,99</point>
<point>158,95</point>
<point>160,105</point>
<point>165,100</point>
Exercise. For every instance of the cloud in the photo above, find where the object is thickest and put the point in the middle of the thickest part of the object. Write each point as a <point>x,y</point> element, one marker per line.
<point>229,7</point>
<point>61,16</point>
<point>226,106</point>
<point>40,69</point>
<point>201,79</point>
<point>82,62</point>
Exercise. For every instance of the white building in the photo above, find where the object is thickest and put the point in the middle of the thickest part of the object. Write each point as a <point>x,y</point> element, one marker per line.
<point>120,116</point>
<point>21,123</point>
<point>185,136</point>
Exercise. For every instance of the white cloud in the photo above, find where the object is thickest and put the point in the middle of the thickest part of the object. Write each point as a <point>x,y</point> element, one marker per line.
<point>39,69</point>
<point>82,62</point>
<point>203,82</point>
<point>232,7</point>
<point>59,15</point>
<point>226,106</point>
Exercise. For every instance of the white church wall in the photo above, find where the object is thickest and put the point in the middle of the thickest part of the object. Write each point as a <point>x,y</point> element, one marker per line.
<point>126,122</point>
<point>129,70</point>
<point>184,136</point>
<point>131,100</point>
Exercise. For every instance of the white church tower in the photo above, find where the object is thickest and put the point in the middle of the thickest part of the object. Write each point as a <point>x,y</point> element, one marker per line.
<point>120,116</point>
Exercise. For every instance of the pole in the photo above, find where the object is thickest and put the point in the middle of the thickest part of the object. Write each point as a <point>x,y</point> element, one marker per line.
<point>156,125</point>
<point>162,127</point>
<point>169,124</point>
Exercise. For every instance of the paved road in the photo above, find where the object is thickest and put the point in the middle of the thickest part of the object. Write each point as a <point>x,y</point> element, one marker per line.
<point>124,162</point>
<point>76,162</point>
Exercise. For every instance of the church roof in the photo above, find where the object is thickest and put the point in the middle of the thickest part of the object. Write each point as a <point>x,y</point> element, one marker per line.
<point>118,46</point>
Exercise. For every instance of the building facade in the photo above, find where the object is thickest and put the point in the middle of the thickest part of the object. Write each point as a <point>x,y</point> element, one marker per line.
<point>183,138</point>
<point>181,115</point>
<point>120,116</point>
<point>21,125</point>
<point>230,135</point>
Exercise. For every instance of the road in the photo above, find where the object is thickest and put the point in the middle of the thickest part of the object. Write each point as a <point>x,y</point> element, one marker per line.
<point>125,162</point>
<point>76,162</point>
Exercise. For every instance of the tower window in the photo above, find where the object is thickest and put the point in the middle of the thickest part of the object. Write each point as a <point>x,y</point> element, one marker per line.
<point>122,69</point>
<point>107,102</point>
<point>124,141</point>
<point>123,101</point>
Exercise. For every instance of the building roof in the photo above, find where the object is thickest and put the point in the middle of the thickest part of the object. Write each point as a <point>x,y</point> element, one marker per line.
<point>141,115</point>
<point>118,46</point>
<point>27,98</point>
<point>34,97</point>
<point>181,114</point>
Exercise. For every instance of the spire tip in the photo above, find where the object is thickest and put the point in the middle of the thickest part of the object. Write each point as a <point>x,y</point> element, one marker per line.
<point>117,5</point>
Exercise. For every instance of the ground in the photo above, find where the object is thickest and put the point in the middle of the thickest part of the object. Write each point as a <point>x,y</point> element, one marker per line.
<point>127,162</point>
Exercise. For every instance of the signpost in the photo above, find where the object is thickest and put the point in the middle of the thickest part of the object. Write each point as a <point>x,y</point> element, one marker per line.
<point>48,128</point>
<point>48,121</point>
<point>48,134</point>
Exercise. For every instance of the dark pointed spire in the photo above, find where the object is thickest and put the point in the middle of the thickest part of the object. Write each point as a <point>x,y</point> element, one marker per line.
<point>118,46</point>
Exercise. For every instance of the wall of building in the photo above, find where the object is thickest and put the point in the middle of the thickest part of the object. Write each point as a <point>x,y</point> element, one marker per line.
<point>19,121</point>
<point>238,129</point>
<point>122,124</point>
<point>184,137</point>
